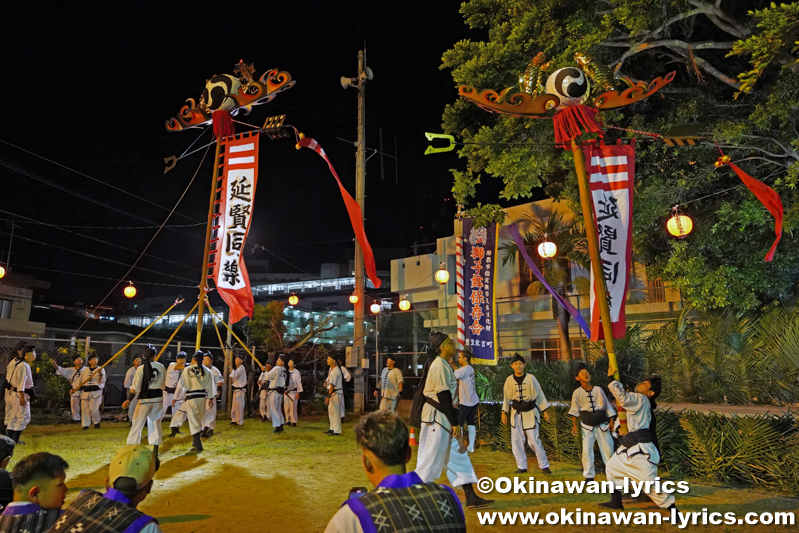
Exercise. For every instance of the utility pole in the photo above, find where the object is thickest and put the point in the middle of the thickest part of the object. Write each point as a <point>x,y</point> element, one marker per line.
<point>359,82</point>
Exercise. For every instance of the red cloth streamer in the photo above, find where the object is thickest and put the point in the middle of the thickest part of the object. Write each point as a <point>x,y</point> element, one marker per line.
<point>570,122</point>
<point>769,198</point>
<point>223,124</point>
<point>354,210</point>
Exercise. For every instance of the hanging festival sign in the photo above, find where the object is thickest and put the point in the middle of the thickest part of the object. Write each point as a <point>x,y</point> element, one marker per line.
<point>237,181</point>
<point>480,253</point>
<point>611,170</point>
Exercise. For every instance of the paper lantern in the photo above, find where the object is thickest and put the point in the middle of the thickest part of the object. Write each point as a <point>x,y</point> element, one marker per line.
<point>293,299</point>
<point>404,304</point>
<point>547,249</point>
<point>680,225</point>
<point>354,298</point>
<point>375,307</point>
<point>130,290</point>
<point>570,85</point>
<point>2,271</point>
<point>442,276</point>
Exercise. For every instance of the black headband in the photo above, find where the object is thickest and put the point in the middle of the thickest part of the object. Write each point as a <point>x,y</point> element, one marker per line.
<point>437,338</point>
<point>516,357</point>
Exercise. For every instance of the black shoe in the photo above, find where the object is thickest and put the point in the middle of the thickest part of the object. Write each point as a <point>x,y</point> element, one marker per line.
<point>293,424</point>
<point>175,432</point>
<point>278,429</point>
<point>198,443</point>
<point>263,419</point>
<point>329,432</point>
<point>335,434</point>
<point>210,433</point>
<point>615,502</point>
<point>204,433</point>
<point>232,423</point>
<point>472,499</point>
<point>97,426</point>
<point>589,479</point>
<point>546,470</point>
<point>85,427</point>
<point>521,471</point>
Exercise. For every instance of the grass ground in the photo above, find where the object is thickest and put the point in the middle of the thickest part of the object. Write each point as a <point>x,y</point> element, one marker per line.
<point>251,480</point>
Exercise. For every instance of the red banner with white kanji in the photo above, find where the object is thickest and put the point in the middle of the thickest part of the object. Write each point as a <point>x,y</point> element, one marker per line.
<point>236,186</point>
<point>611,170</point>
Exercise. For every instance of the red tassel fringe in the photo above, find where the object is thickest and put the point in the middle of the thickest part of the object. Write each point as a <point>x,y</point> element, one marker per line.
<point>572,121</point>
<point>223,124</point>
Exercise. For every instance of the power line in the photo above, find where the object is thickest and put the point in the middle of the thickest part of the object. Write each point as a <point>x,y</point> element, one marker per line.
<point>26,219</point>
<point>92,256</point>
<point>103,277</point>
<point>79,173</point>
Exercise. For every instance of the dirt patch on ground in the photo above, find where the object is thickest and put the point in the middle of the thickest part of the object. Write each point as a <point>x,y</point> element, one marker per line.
<point>249,479</point>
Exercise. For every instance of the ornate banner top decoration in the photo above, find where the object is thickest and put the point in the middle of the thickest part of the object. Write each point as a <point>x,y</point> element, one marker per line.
<point>235,94</point>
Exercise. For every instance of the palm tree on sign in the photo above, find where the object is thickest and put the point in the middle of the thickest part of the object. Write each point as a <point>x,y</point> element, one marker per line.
<point>569,236</point>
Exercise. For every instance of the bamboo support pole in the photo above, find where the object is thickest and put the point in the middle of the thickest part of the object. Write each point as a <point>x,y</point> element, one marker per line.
<point>154,322</point>
<point>243,344</point>
<point>166,344</point>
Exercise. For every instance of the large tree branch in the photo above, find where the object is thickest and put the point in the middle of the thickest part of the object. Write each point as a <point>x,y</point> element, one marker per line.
<point>732,27</point>
<point>707,67</point>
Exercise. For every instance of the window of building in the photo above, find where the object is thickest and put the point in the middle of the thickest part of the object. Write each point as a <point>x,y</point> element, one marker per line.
<point>5,308</point>
<point>549,349</point>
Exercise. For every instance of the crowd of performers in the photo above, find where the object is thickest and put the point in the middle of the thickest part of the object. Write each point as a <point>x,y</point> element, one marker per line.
<point>445,407</point>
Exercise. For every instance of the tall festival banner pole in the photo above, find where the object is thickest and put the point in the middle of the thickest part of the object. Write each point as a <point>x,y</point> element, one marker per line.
<point>568,92</point>
<point>593,252</point>
<point>208,229</point>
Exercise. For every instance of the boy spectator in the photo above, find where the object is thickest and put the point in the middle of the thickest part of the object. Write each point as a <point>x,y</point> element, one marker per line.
<point>400,499</point>
<point>39,493</point>
<point>129,481</point>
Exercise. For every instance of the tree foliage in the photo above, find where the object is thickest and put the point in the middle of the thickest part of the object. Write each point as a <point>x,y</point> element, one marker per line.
<point>719,50</point>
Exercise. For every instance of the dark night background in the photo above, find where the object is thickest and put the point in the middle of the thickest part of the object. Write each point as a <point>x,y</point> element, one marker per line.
<point>90,90</point>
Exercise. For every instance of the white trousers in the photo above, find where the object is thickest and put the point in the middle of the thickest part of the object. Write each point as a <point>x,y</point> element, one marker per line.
<point>209,420</point>
<point>90,409</point>
<point>177,418</point>
<point>334,412</point>
<point>341,404</point>
<point>147,412</point>
<point>237,407</point>
<point>9,399</point>
<point>637,468</point>
<point>132,407</point>
<point>517,435</point>
<point>194,410</point>
<point>74,407</point>
<point>437,449</point>
<point>168,397</point>
<point>389,405</point>
<point>290,407</point>
<point>276,408</point>
<point>264,406</point>
<point>20,415</point>
<point>605,442</point>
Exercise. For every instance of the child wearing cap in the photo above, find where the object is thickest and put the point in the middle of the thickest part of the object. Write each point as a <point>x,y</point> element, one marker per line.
<point>129,481</point>
<point>39,492</point>
<point>390,385</point>
<point>524,401</point>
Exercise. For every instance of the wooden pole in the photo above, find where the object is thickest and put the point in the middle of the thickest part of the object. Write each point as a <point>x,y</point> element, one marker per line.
<point>126,346</point>
<point>208,228</point>
<point>596,265</point>
<point>166,344</point>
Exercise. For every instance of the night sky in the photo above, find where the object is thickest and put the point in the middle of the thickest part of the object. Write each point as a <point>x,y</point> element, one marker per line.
<point>90,91</point>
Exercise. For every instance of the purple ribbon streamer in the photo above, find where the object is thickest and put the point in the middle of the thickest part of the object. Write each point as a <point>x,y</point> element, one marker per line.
<point>514,232</point>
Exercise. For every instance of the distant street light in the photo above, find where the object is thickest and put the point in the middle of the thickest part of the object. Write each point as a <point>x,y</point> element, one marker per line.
<point>442,276</point>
